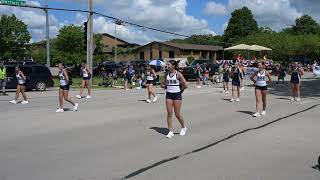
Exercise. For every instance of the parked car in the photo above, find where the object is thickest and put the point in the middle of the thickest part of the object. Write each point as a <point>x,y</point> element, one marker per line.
<point>38,77</point>
<point>189,71</point>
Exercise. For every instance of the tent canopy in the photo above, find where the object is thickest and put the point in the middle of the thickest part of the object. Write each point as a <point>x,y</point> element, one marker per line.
<point>247,47</point>
<point>259,48</point>
<point>239,47</point>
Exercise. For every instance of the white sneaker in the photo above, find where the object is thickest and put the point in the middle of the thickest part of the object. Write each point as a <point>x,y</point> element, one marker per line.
<point>155,99</point>
<point>198,87</point>
<point>231,100</point>
<point>13,102</point>
<point>75,108</point>
<point>298,99</point>
<point>293,99</point>
<point>242,89</point>
<point>263,113</point>
<point>88,97</point>
<point>183,131</point>
<point>148,101</point>
<point>78,96</point>
<point>24,102</point>
<point>170,135</point>
<point>59,110</point>
<point>237,99</point>
<point>257,114</point>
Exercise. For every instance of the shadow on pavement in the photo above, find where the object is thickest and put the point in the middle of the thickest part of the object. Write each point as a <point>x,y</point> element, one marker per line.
<point>309,88</point>
<point>160,130</point>
<point>246,112</point>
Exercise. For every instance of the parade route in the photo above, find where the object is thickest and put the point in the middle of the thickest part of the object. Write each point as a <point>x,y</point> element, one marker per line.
<point>117,135</point>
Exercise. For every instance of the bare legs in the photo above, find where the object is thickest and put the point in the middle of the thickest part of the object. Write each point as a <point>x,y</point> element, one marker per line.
<point>64,95</point>
<point>20,89</point>
<point>85,84</point>
<point>176,106</point>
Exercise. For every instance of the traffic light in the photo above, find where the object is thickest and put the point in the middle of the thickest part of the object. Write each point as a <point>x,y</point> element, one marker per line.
<point>85,31</point>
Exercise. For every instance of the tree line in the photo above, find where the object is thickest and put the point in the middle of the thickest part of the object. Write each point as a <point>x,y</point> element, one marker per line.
<point>301,39</point>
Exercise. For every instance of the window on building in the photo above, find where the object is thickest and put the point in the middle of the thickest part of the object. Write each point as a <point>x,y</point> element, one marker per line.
<point>160,54</point>
<point>171,54</point>
<point>142,55</point>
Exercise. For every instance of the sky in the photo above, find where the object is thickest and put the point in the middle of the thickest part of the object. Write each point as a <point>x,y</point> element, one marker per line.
<point>180,16</point>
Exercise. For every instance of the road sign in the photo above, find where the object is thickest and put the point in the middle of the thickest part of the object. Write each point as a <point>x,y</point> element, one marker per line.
<point>14,2</point>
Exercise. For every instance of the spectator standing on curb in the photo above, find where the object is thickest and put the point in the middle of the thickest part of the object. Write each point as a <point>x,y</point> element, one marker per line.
<point>3,77</point>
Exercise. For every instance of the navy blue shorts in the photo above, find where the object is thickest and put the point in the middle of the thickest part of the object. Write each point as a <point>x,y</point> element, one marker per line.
<point>65,88</point>
<point>235,83</point>
<point>226,79</point>
<point>86,78</point>
<point>149,81</point>
<point>262,88</point>
<point>295,81</point>
<point>174,96</point>
<point>24,84</point>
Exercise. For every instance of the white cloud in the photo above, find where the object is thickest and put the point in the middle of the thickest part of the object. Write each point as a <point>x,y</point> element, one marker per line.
<point>169,15</point>
<point>276,14</point>
<point>213,8</point>
<point>35,19</point>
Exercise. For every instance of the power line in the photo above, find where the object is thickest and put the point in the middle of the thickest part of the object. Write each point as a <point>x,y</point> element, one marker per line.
<point>106,16</point>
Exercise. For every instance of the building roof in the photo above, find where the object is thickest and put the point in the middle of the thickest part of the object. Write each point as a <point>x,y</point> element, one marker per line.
<point>190,46</point>
<point>118,39</point>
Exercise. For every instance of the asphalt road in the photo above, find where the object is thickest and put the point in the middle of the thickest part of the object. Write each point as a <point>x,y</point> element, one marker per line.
<point>116,135</point>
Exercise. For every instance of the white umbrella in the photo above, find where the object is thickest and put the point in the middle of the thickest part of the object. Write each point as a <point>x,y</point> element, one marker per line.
<point>260,48</point>
<point>156,63</point>
<point>239,47</point>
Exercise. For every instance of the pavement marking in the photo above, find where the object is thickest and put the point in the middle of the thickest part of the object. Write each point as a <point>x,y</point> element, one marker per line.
<point>140,171</point>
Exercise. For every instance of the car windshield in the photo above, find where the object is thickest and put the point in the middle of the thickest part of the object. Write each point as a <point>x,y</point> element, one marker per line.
<point>195,62</point>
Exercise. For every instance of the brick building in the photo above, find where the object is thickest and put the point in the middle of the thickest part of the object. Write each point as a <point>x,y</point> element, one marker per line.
<point>167,50</point>
<point>109,42</point>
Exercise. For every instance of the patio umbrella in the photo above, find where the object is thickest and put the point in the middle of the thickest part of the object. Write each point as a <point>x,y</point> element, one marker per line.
<point>260,48</point>
<point>156,63</point>
<point>239,47</point>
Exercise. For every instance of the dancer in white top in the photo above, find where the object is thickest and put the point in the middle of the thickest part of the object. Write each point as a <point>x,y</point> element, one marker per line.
<point>64,89</point>
<point>261,78</point>
<point>151,75</point>
<point>174,83</point>
<point>21,87</point>
<point>86,76</point>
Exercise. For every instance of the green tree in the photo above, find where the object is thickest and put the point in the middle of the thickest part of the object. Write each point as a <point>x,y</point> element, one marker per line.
<point>206,39</point>
<point>14,37</point>
<point>70,45</point>
<point>241,24</point>
<point>306,25</point>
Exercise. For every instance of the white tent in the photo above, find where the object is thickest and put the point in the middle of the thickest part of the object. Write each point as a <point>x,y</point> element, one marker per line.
<point>259,48</point>
<point>239,47</point>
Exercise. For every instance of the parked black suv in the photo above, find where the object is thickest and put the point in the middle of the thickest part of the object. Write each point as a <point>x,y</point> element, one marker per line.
<point>39,77</point>
<point>189,71</point>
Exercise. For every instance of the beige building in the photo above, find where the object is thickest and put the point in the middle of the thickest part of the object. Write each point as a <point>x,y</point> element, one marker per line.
<point>167,50</point>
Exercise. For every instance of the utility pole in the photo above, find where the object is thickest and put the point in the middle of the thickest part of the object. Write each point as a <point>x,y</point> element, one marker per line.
<point>115,41</point>
<point>47,35</point>
<point>90,38</point>
<point>116,22</point>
